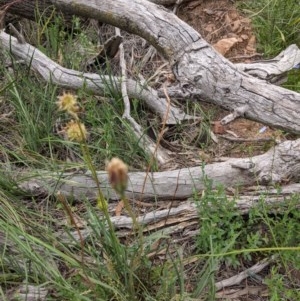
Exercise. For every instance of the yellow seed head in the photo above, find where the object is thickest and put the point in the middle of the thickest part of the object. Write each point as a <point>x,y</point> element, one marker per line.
<point>76,131</point>
<point>118,174</point>
<point>68,102</point>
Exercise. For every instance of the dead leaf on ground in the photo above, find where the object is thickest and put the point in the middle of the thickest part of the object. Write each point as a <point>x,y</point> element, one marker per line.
<point>210,28</point>
<point>235,26</point>
<point>251,44</point>
<point>224,45</point>
<point>218,128</point>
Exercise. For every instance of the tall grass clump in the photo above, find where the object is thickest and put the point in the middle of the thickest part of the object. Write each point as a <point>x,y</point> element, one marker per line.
<point>276,23</point>
<point>35,250</point>
<point>76,131</point>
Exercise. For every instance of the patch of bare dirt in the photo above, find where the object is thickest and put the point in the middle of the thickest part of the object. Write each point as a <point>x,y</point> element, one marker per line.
<point>222,25</point>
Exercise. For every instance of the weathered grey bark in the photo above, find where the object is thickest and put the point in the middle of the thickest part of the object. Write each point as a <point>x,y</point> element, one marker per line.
<point>200,70</point>
<point>272,71</point>
<point>53,72</point>
<point>237,279</point>
<point>197,66</point>
<point>280,163</point>
<point>33,9</point>
<point>180,218</point>
<point>49,70</point>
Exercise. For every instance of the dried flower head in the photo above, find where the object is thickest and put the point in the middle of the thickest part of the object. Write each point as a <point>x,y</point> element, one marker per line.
<point>118,174</point>
<point>68,102</point>
<point>76,131</point>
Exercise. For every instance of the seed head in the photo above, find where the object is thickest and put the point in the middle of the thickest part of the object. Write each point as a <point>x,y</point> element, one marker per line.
<point>76,131</point>
<point>118,174</point>
<point>68,102</point>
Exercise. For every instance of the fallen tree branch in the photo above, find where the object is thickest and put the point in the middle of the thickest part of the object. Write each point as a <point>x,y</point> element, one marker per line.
<point>71,79</point>
<point>280,163</point>
<point>29,8</point>
<point>238,293</point>
<point>238,139</point>
<point>196,65</point>
<point>274,69</point>
<point>237,279</point>
<point>181,218</point>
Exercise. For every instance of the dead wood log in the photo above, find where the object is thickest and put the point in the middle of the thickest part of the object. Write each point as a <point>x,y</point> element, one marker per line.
<point>197,66</point>
<point>183,218</point>
<point>237,279</point>
<point>272,71</point>
<point>71,79</point>
<point>29,9</point>
<point>281,163</point>
<point>275,69</point>
<point>200,70</point>
<point>33,10</point>
<point>187,210</point>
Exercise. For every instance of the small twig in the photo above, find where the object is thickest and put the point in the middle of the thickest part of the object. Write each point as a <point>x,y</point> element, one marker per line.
<point>243,57</point>
<point>159,137</point>
<point>238,112</point>
<point>178,2</point>
<point>150,53</point>
<point>243,275</point>
<point>237,139</point>
<point>18,34</point>
<point>124,77</point>
<point>146,142</point>
<point>157,72</point>
<point>243,165</point>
